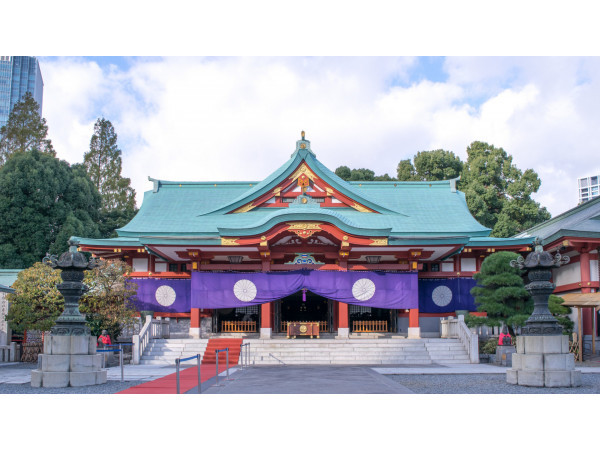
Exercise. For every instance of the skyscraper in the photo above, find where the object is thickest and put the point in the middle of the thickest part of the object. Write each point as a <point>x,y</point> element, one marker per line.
<point>589,188</point>
<point>19,74</point>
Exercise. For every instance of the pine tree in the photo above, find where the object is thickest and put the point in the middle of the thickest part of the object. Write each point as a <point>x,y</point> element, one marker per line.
<point>500,292</point>
<point>25,130</point>
<point>103,164</point>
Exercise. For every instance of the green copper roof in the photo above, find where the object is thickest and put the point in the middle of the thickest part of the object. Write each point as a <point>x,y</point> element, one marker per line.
<point>183,212</point>
<point>581,221</point>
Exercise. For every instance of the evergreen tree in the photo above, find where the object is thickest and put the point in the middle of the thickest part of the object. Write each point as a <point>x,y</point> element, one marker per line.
<point>103,164</point>
<point>406,171</point>
<point>498,193</point>
<point>36,302</point>
<point>430,166</point>
<point>43,202</point>
<point>345,173</point>
<point>25,130</point>
<point>500,292</point>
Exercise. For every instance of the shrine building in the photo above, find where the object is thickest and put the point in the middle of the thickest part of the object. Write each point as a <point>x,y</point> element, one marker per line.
<point>303,245</point>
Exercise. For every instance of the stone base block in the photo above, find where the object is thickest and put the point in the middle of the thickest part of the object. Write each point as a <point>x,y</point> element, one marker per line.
<point>543,344</point>
<point>70,345</point>
<point>86,363</point>
<point>557,378</point>
<point>265,333</point>
<point>194,332</point>
<point>530,378</point>
<point>414,333</point>
<point>36,378</point>
<point>511,376</point>
<point>559,362</point>
<point>54,363</point>
<point>343,333</point>
<point>87,378</point>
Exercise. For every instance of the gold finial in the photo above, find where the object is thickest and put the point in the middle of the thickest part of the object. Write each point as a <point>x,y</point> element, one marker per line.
<point>302,135</point>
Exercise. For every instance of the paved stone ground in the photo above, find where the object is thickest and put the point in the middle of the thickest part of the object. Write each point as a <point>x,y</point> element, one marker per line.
<point>308,380</point>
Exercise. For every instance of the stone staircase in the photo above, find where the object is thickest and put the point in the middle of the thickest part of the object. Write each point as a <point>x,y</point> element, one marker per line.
<point>166,351</point>
<point>357,351</point>
<point>321,351</point>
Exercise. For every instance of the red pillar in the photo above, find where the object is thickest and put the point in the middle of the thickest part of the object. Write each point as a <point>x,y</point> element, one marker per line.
<point>195,322</point>
<point>413,318</point>
<point>265,318</point>
<point>584,267</point>
<point>342,315</point>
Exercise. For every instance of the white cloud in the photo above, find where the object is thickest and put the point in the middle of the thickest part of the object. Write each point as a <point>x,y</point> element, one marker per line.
<point>238,118</point>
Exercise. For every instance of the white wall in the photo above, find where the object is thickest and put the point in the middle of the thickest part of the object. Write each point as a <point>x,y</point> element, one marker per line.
<point>447,267</point>
<point>571,273</point>
<point>594,269</point>
<point>160,266</point>
<point>140,265</point>
<point>468,264</point>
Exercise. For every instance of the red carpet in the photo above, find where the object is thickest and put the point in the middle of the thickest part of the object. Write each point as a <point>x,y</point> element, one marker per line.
<point>219,344</point>
<point>188,378</point>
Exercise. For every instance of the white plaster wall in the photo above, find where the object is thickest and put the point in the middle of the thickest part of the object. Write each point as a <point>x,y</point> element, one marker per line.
<point>468,264</point>
<point>447,267</point>
<point>571,273</point>
<point>160,266</point>
<point>594,269</point>
<point>140,264</point>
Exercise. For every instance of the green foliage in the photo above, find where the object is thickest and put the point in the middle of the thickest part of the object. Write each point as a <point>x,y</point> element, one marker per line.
<point>500,292</point>
<point>561,313</point>
<point>498,193</point>
<point>107,305</point>
<point>43,202</point>
<point>430,166</point>
<point>488,347</point>
<point>36,304</point>
<point>25,130</point>
<point>406,171</point>
<point>103,164</point>
<point>345,173</point>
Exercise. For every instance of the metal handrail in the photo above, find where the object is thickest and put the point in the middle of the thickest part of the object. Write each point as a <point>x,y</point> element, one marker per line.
<point>178,362</point>
<point>245,354</point>
<point>275,357</point>
<point>120,352</point>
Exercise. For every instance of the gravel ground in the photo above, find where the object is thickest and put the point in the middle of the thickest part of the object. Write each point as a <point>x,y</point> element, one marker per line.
<point>109,388</point>
<point>487,384</point>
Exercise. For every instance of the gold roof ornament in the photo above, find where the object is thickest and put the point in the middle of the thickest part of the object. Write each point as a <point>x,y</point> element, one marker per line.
<point>302,134</point>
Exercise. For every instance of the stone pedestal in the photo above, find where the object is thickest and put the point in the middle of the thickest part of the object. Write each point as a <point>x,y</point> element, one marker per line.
<point>265,333</point>
<point>343,333</point>
<point>69,361</point>
<point>504,355</point>
<point>414,333</point>
<point>543,361</point>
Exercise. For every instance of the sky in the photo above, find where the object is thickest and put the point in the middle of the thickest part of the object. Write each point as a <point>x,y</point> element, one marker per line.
<point>237,118</point>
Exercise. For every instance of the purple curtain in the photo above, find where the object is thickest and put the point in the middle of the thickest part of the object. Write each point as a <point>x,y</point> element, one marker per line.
<point>375,289</point>
<point>162,295</point>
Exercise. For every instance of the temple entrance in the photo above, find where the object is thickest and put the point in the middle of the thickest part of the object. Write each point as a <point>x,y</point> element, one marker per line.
<point>365,319</point>
<point>307,308</point>
<point>236,320</point>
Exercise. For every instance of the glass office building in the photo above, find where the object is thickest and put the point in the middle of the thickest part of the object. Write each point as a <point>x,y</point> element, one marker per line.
<point>589,188</point>
<point>19,74</point>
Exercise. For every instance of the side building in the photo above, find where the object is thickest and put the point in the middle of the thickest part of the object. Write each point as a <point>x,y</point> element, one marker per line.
<point>18,75</point>
<point>304,245</point>
<point>576,233</point>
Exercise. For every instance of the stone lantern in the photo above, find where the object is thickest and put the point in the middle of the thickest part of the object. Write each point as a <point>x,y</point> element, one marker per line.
<point>69,357</point>
<point>542,357</point>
